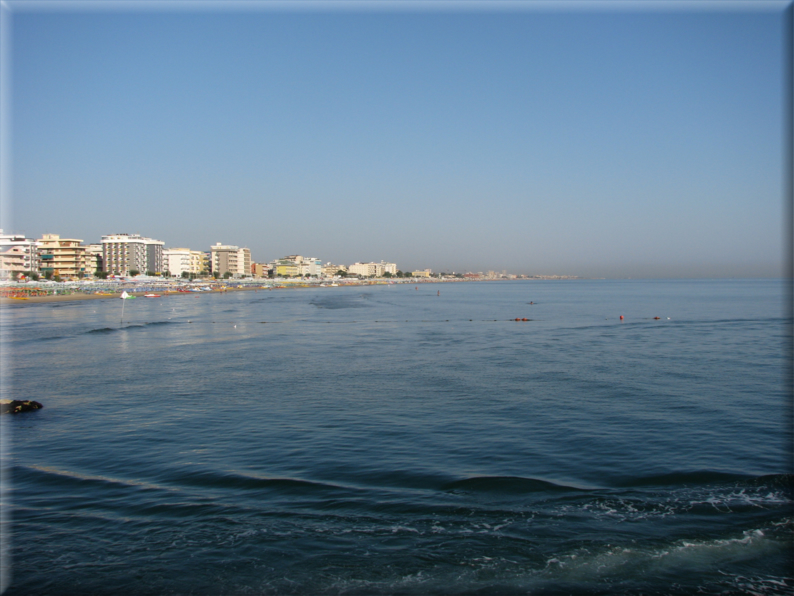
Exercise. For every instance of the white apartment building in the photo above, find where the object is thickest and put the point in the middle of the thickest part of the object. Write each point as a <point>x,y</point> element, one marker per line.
<point>373,269</point>
<point>17,254</point>
<point>244,261</point>
<point>311,266</point>
<point>364,269</point>
<point>122,253</point>
<point>230,259</point>
<point>176,261</point>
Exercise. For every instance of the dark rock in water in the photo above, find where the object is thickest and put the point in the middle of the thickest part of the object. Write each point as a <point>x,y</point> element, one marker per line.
<point>14,406</point>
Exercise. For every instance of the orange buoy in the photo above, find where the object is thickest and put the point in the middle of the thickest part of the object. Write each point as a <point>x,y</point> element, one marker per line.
<point>657,318</point>
<point>621,317</point>
<point>525,319</point>
<point>517,319</point>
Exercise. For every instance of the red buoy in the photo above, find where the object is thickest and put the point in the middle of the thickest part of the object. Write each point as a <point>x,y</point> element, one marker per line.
<point>621,317</point>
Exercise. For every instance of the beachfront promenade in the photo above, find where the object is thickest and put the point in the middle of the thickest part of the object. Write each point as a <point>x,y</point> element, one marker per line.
<point>46,291</point>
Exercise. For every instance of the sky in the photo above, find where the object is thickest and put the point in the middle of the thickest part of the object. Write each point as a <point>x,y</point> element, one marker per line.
<point>597,139</point>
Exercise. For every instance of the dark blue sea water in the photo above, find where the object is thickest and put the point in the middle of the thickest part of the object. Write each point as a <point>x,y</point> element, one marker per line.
<point>404,440</point>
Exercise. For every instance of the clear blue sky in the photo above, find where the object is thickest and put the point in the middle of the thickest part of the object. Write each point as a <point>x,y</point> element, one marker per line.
<point>615,141</point>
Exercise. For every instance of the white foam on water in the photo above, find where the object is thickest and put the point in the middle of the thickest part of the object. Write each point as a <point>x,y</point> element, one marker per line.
<point>722,499</point>
<point>763,498</point>
<point>682,557</point>
<point>760,586</point>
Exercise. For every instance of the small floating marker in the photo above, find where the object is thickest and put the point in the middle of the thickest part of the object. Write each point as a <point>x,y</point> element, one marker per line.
<point>656,318</point>
<point>525,319</point>
<point>517,319</point>
<point>621,317</point>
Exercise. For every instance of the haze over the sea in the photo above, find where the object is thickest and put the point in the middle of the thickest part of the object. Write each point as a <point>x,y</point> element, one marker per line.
<point>606,140</point>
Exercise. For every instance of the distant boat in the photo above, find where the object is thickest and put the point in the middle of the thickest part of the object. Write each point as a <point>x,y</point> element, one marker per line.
<point>151,295</point>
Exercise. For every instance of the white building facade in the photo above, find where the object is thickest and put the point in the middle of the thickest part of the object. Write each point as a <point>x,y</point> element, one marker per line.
<point>373,269</point>
<point>17,255</point>
<point>176,261</point>
<point>311,266</point>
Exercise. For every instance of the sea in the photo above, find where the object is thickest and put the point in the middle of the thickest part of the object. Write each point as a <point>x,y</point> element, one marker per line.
<point>403,439</point>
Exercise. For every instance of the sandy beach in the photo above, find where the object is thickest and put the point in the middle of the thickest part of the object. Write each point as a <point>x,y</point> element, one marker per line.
<point>78,295</point>
<point>22,301</point>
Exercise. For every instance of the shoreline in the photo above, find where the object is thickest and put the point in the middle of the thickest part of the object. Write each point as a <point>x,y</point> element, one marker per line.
<point>21,301</point>
<point>77,294</point>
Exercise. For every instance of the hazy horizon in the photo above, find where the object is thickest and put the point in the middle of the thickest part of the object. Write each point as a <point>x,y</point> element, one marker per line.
<point>600,141</point>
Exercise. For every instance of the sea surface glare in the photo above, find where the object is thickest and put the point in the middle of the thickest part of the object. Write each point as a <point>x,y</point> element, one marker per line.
<point>394,440</point>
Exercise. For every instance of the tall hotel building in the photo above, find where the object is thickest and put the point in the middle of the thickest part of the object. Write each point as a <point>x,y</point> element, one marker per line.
<point>226,258</point>
<point>64,257</point>
<point>122,253</point>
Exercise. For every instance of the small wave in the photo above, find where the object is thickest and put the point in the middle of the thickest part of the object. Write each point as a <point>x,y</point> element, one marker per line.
<point>60,478</point>
<point>677,559</point>
<point>50,338</point>
<point>338,304</point>
<point>130,326</point>
<point>506,484</point>
<point>748,495</point>
<point>150,324</point>
<point>235,480</point>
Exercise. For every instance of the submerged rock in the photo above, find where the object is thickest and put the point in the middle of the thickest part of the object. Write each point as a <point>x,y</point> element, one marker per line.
<point>14,406</point>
